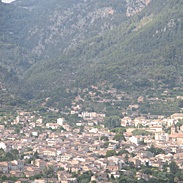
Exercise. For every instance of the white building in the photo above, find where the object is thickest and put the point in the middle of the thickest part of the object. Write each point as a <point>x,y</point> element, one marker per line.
<point>161,136</point>
<point>93,130</point>
<point>35,134</point>
<point>60,121</point>
<point>135,139</point>
<point>3,146</point>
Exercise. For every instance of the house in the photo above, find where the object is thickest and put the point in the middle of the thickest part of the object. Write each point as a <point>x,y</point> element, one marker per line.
<point>161,136</point>
<point>60,121</point>
<point>64,157</point>
<point>115,174</point>
<point>19,164</point>
<point>66,127</point>
<point>177,116</point>
<point>139,121</point>
<point>176,137</point>
<point>74,168</point>
<point>65,177</point>
<point>2,128</point>
<point>53,126</point>
<point>80,124</point>
<point>3,146</point>
<point>91,115</point>
<point>22,180</point>
<point>94,147</point>
<point>17,173</point>
<point>49,152</point>
<point>168,122</point>
<point>40,164</point>
<point>91,123</point>
<point>30,171</point>
<point>135,139</point>
<point>93,130</point>
<point>39,121</point>
<point>4,167</point>
<point>35,134</point>
<point>112,166</point>
<point>51,142</point>
<point>126,121</point>
<point>88,115</point>
<point>69,180</point>
<point>178,156</point>
<point>156,128</point>
<point>40,181</point>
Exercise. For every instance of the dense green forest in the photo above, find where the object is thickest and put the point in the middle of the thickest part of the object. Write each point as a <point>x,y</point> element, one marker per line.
<point>136,54</point>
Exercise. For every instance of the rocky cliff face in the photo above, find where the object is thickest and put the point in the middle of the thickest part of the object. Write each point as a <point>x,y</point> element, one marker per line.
<point>58,25</point>
<point>135,6</point>
<point>67,29</point>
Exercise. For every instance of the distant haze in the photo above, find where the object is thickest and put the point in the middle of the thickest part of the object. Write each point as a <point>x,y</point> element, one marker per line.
<point>7,1</point>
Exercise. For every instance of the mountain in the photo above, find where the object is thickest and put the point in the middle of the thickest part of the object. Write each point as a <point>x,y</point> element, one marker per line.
<point>31,30</point>
<point>146,49</point>
<point>132,45</point>
<point>52,26</point>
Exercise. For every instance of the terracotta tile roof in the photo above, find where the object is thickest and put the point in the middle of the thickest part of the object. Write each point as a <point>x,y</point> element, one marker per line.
<point>176,135</point>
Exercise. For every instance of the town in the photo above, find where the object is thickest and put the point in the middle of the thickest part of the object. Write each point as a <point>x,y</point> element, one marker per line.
<point>93,148</point>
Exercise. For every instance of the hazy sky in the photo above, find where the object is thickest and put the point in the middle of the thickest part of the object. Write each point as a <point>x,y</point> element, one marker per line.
<point>7,1</point>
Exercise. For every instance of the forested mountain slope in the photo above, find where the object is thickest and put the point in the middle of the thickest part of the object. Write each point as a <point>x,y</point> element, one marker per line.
<point>144,51</point>
<point>52,46</point>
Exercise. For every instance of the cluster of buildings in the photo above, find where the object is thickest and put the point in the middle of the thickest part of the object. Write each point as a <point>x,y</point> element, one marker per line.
<point>68,149</point>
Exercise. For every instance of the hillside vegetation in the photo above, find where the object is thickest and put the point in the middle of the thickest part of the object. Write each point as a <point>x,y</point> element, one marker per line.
<point>54,48</point>
<point>144,51</point>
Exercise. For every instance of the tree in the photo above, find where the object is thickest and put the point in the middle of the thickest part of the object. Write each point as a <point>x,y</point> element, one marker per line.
<point>112,177</point>
<point>2,152</point>
<point>110,153</point>
<point>155,150</point>
<point>15,153</point>
<point>49,172</point>
<point>122,151</point>
<point>106,144</point>
<point>9,156</point>
<point>119,137</point>
<point>126,158</point>
<point>85,177</point>
<point>152,180</point>
<point>17,130</point>
<point>180,103</point>
<point>140,132</point>
<point>141,181</point>
<point>112,122</point>
<point>179,124</point>
<point>126,179</point>
<point>105,138</point>
<point>36,155</point>
<point>173,167</point>
<point>165,165</point>
<point>147,171</point>
<point>4,177</point>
